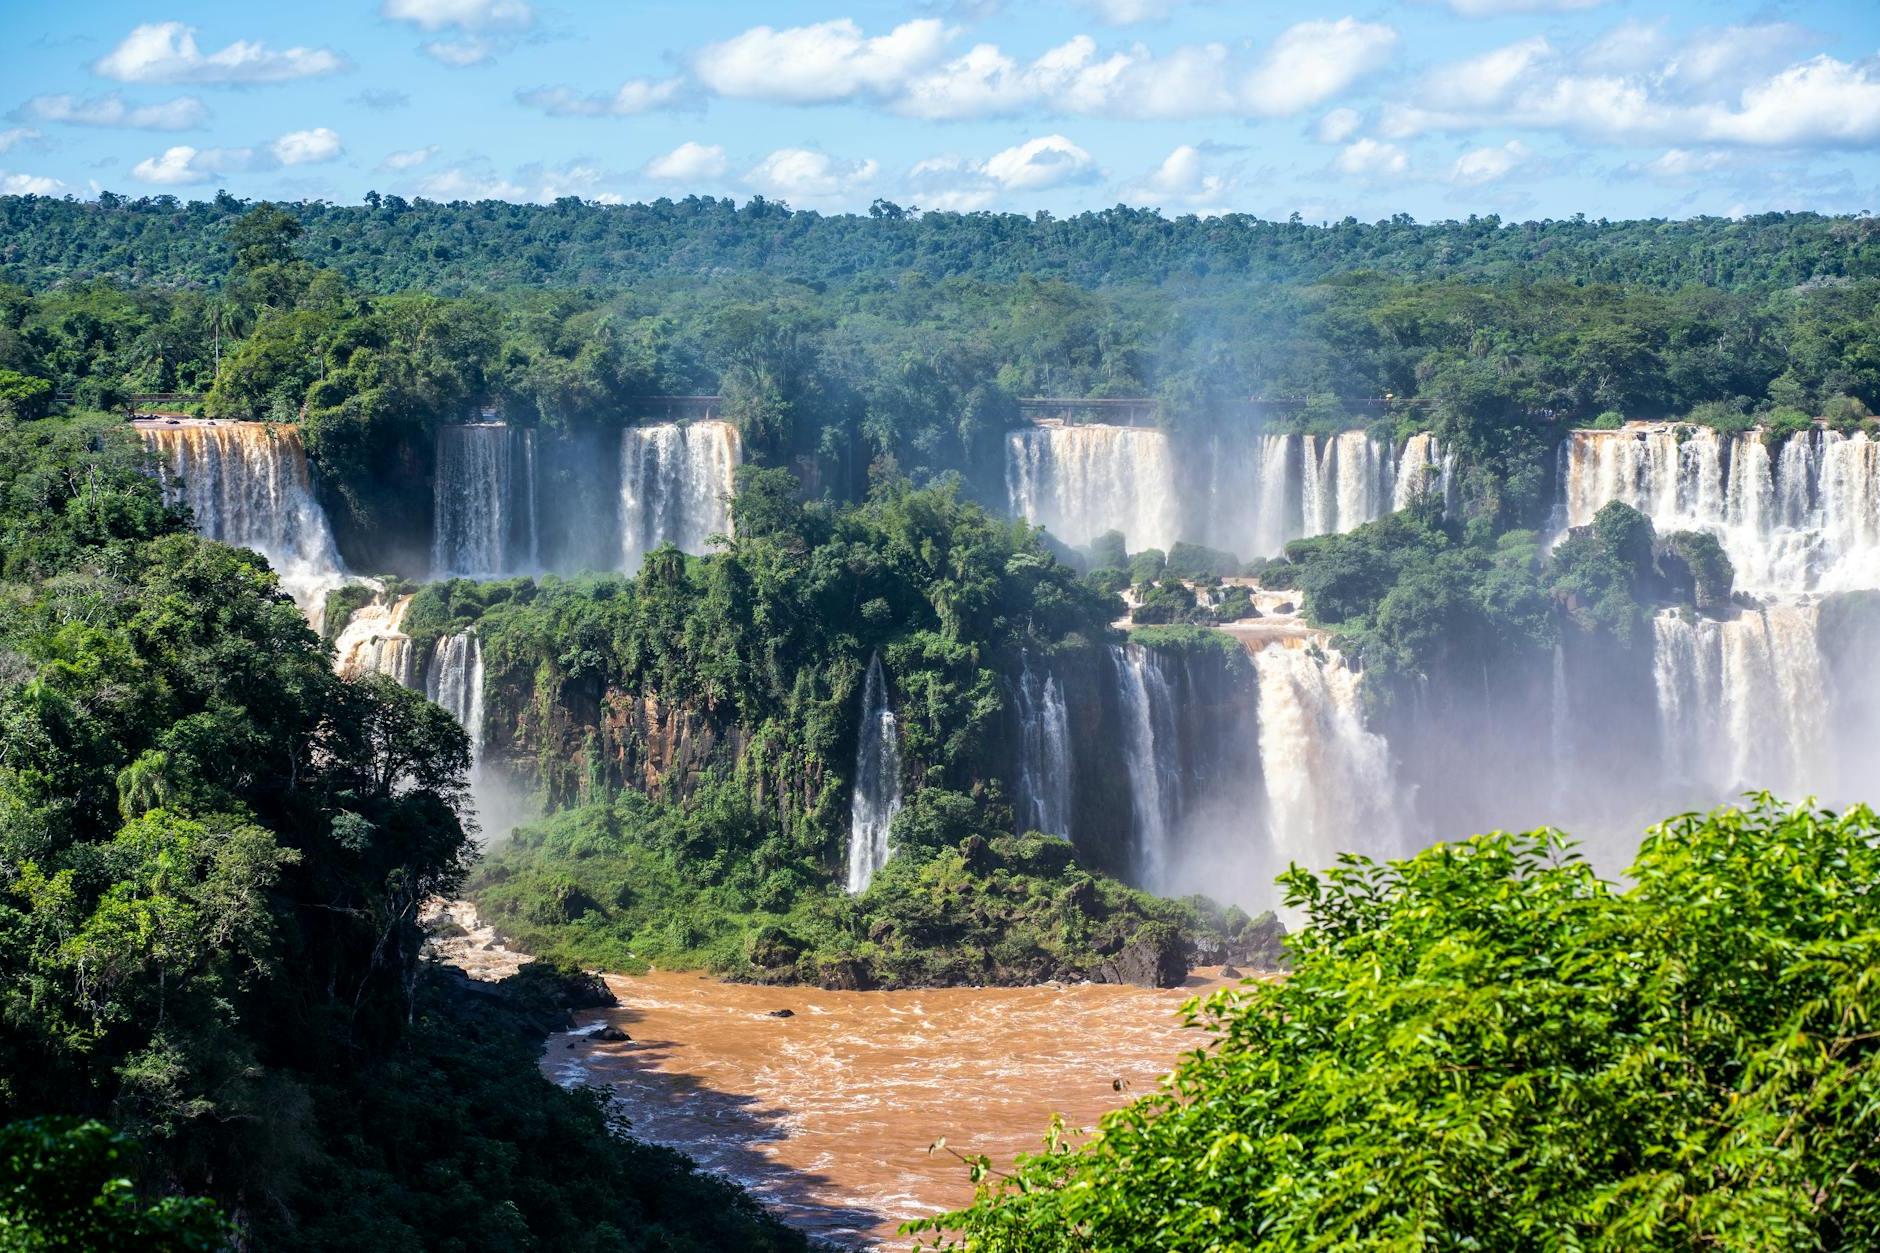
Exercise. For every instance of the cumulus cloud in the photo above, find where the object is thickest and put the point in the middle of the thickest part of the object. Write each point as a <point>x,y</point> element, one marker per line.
<point>111,109</point>
<point>689,163</point>
<point>29,185</point>
<point>1720,86</point>
<point>1129,12</point>
<point>964,183</point>
<point>435,15</point>
<point>636,95</point>
<point>1497,8</point>
<point>462,184</point>
<point>410,159</point>
<point>1337,126</point>
<point>1313,61</point>
<point>804,176</point>
<point>1489,165</point>
<point>1372,159</point>
<point>13,137</point>
<point>534,182</point>
<point>184,165</point>
<point>1678,164</point>
<point>1187,178</point>
<point>166,52</point>
<point>824,62</point>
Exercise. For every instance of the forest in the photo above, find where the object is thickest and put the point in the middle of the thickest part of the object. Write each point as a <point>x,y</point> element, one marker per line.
<point>219,1024</point>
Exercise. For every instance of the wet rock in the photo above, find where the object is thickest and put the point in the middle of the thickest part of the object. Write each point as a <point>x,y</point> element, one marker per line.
<point>1230,971</point>
<point>782,1013</point>
<point>613,1035</point>
<point>1285,606</point>
<point>841,975</point>
<point>1157,957</point>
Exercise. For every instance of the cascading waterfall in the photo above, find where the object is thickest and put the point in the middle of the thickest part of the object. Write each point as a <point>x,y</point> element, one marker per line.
<point>454,680</point>
<point>876,797</point>
<point>674,481</point>
<point>1152,757</point>
<point>1262,495</point>
<point>374,642</point>
<point>1080,481</point>
<point>1424,465</point>
<point>1329,782</point>
<point>1045,769</point>
<point>484,514</point>
<point>1346,483</point>
<point>247,484</point>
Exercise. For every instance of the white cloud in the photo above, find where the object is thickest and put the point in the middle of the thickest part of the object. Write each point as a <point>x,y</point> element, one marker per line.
<point>689,163</point>
<point>435,15</point>
<point>458,53</point>
<point>1185,179</point>
<point>306,147</point>
<point>15,136</point>
<point>1129,12</point>
<point>166,52</point>
<point>1369,159</point>
<point>1313,61</point>
<point>410,159</point>
<point>462,184</point>
<point>804,176</point>
<point>1338,126</point>
<point>1489,165</point>
<point>636,95</point>
<point>184,165</point>
<point>111,109</point>
<point>1682,163</point>
<point>1821,101</point>
<point>823,62</point>
<point>1496,8</point>
<point>29,185</point>
<point>963,184</point>
<point>1485,80</point>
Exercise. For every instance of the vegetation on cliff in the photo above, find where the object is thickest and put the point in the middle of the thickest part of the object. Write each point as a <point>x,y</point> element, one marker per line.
<point>1484,1046</point>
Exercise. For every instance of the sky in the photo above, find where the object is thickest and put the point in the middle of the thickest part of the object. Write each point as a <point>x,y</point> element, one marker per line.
<point>1435,108</point>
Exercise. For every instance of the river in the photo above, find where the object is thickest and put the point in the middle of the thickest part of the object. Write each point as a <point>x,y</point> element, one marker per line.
<point>827,1115</point>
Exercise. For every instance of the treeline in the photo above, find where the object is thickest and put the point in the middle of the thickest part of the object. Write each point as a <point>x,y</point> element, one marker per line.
<point>389,244</point>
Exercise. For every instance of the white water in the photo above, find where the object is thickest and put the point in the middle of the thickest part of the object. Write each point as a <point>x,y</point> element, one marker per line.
<point>484,513</point>
<point>454,680</point>
<point>1329,783</point>
<point>1045,769</point>
<point>876,797</point>
<point>674,481</point>
<point>1152,757</point>
<point>247,484</point>
<point>374,642</point>
<point>1080,481</point>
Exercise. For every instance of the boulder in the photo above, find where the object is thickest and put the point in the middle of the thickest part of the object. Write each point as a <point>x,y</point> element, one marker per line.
<point>1156,957</point>
<point>613,1035</point>
<point>782,1013</point>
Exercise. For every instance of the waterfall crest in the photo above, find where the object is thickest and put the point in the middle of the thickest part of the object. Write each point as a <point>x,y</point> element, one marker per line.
<point>483,496</point>
<point>247,484</point>
<point>374,642</point>
<point>674,481</point>
<point>876,797</point>
<point>1080,481</point>
<point>1045,768</point>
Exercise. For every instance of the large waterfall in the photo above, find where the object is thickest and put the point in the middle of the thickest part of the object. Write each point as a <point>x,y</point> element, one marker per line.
<point>1152,757</point>
<point>877,791</point>
<point>484,514</point>
<point>674,481</point>
<point>247,484</point>
<point>1045,766</point>
<point>1080,481</point>
<point>374,642</point>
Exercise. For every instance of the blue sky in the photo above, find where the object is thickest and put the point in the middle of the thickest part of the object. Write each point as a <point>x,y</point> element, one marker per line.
<point>1437,108</point>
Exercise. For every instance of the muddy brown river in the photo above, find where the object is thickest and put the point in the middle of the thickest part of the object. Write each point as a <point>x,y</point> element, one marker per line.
<point>827,1115</point>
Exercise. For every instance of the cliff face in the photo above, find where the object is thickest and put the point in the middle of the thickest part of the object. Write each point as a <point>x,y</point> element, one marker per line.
<point>663,749</point>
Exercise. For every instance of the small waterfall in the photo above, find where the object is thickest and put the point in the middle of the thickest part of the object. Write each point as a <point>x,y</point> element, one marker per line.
<point>374,642</point>
<point>1330,786</point>
<point>1741,703</point>
<point>1424,465</point>
<point>1152,757</point>
<point>674,481</point>
<point>1807,519</point>
<point>247,484</point>
<point>876,797</point>
<point>1045,767</point>
<point>454,680</point>
<point>484,513</point>
<point>1080,481</point>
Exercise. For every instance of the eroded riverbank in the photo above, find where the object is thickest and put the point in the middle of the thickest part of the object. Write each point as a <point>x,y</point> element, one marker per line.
<point>827,1114</point>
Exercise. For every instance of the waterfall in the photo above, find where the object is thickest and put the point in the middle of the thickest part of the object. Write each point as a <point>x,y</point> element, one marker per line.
<point>1742,702</point>
<point>1044,765</point>
<point>1330,787</point>
<point>1807,519</point>
<point>374,642</point>
<point>454,680</point>
<point>484,512</point>
<point>247,484</point>
<point>1424,465</point>
<point>1152,757</point>
<point>674,480</point>
<point>1080,481</point>
<point>876,797</point>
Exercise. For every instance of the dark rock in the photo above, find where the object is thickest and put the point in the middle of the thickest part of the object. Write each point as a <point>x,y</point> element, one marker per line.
<point>783,1013</point>
<point>1230,971</point>
<point>570,1044</point>
<point>1285,606</point>
<point>1157,957</point>
<point>842,975</point>
<point>613,1035</point>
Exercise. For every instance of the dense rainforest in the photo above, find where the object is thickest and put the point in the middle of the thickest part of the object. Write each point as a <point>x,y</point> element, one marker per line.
<point>214,848</point>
